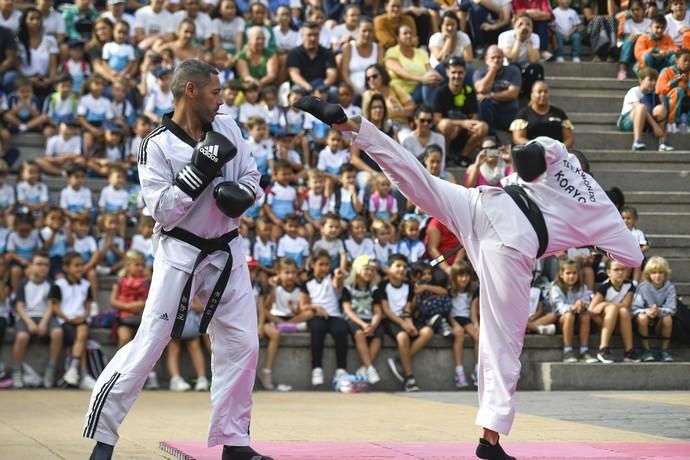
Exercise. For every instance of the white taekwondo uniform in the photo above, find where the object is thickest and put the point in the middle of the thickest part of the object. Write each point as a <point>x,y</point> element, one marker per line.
<point>502,246</point>
<point>233,329</point>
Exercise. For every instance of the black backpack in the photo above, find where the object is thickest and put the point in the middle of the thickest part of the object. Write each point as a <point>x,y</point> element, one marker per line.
<point>681,323</point>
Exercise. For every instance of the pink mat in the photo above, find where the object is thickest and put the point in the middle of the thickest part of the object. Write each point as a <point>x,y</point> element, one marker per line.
<point>305,450</point>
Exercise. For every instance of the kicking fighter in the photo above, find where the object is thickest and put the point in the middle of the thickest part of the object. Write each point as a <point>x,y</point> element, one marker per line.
<point>552,205</point>
<point>197,178</point>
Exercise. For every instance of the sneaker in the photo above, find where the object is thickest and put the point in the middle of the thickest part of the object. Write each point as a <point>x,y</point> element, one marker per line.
<point>266,379</point>
<point>152,382</point>
<point>87,382</point>
<point>283,387</point>
<point>587,357</point>
<point>671,128</point>
<point>362,371</point>
<point>316,376</point>
<point>410,384</point>
<point>664,147</point>
<point>569,357</point>
<point>71,377</point>
<point>647,356</point>
<point>201,384</point>
<point>560,59</point>
<point>446,330</point>
<point>49,377</point>
<point>17,381</point>
<point>491,451</point>
<point>605,356</point>
<point>95,308</point>
<point>460,379</point>
<point>103,270</point>
<point>577,59</point>
<point>546,56</point>
<point>396,368</point>
<point>666,356</point>
<point>631,356</point>
<point>373,375</point>
<point>339,373</point>
<point>434,321</point>
<point>638,145</point>
<point>31,378</point>
<point>546,329</point>
<point>177,383</point>
<point>622,75</point>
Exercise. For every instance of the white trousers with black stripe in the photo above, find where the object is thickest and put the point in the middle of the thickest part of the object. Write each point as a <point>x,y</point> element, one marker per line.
<point>234,339</point>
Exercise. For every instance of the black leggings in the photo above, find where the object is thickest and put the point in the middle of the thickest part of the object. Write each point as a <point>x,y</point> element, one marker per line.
<point>335,326</point>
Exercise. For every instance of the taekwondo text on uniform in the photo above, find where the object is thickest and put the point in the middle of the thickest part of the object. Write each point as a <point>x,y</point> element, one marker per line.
<point>567,188</point>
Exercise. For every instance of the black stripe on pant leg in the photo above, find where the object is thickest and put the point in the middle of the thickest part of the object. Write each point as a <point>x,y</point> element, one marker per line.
<point>95,403</point>
<point>101,405</point>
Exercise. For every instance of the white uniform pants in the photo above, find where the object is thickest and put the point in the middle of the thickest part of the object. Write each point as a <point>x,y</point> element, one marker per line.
<point>233,332</point>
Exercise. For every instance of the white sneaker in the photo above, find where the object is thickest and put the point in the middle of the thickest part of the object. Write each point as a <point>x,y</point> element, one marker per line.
<point>362,371</point>
<point>201,384</point>
<point>31,378</point>
<point>373,375</point>
<point>576,59</point>
<point>664,147</point>
<point>266,379</point>
<point>177,383</point>
<point>560,59</point>
<point>17,381</point>
<point>152,382</point>
<point>71,377</point>
<point>94,309</point>
<point>548,329</point>
<point>339,373</point>
<point>49,377</point>
<point>316,376</point>
<point>671,128</point>
<point>103,270</point>
<point>87,382</point>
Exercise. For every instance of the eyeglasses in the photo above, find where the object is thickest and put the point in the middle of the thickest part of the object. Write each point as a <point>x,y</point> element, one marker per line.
<point>426,120</point>
<point>372,77</point>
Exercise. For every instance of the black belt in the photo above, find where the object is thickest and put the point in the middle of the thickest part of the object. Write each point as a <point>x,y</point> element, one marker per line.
<point>533,214</point>
<point>206,248</point>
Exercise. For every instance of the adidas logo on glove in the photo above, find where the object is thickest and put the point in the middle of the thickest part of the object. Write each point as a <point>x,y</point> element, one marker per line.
<point>210,152</point>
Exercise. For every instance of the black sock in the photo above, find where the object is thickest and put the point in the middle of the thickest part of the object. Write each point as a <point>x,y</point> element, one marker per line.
<point>489,451</point>
<point>242,453</point>
<point>328,113</point>
<point>102,451</point>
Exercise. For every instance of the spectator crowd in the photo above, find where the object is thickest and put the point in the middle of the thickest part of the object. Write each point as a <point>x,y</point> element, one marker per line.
<point>333,248</point>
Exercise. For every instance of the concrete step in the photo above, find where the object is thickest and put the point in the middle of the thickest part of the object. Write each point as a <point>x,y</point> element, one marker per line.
<point>585,70</point>
<point>620,376</point>
<point>28,140</point>
<point>608,137</point>
<point>670,241</point>
<point>666,198</point>
<point>589,83</point>
<point>602,118</point>
<point>680,267</point>
<point>667,252</point>
<point>664,222</point>
<point>581,102</point>
<point>658,180</point>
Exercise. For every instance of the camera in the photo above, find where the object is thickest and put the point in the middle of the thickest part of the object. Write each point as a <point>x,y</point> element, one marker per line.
<point>493,152</point>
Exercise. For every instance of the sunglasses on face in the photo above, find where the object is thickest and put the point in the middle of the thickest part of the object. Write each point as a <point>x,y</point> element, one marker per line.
<point>426,120</point>
<point>372,77</point>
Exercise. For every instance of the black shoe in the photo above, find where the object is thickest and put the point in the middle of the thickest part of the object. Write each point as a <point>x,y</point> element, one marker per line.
<point>631,356</point>
<point>328,113</point>
<point>491,451</point>
<point>101,451</point>
<point>410,384</point>
<point>396,368</point>
<point>434,321</point>
<point>242,453</point>
<point>605,356</point>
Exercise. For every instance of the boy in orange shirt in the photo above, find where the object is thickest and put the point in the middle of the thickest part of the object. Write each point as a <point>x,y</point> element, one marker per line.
<point>655,50</point>
<point>672,87</point>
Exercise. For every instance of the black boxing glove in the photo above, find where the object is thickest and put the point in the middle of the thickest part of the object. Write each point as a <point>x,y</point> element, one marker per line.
<point>529,160</point>
<point>208,158</point>
<point>328,113</point>
<point>233,198</point>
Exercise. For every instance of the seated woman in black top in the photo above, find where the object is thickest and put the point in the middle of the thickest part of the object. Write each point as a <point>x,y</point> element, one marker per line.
<point>540,118</point>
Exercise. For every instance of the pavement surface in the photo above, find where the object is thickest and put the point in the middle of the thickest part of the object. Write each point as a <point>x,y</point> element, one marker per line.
<point>38,424</point>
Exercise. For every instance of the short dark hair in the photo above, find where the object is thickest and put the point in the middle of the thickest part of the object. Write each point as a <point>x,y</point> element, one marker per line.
<point>70,257</point>
<point>424,108</point>
<point>291,218</point>
<point>281,165</point>
<point>659,19</point>
<point>397,258</point>
<point>190,70</point>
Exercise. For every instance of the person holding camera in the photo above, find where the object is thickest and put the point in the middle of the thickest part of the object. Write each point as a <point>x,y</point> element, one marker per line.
<point>491,165</point>
<point>540,118</point>
<point>455,113</point>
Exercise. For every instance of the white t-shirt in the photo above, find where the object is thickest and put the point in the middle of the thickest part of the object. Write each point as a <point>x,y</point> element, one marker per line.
<point>144,246</point>
<point>112,200</point>
<point>40,57</point>
<point>76,200</point>
<point>126,17</point>
<point>118,55</point>
<point>341,30</point>
<point>54,24</point>
<point>286,41</point>
<point>565,20</point>
<point>72,297</point>
<point>159,102</point>
<point>397,297</point>
<point>355,249</point>
<point>295,248</point>
<point>227,31</point>
<point>57,146</point>
<point>507,40</point>
<point>461,305</point>
<point>332,161</point>
<point>247,109</point>
<point>154,23</point>
<point>286,303</point>
<point>86,247</point>
<point>92,109</point>
<point>322,293</point>
<point>673,26</point>
<point>34,296</point>
<point>11,22</point>
<point>436,40</point>
<point>632,97</point>
<point>7,197</point>
<point>36,193</point>
<point>632,27</point>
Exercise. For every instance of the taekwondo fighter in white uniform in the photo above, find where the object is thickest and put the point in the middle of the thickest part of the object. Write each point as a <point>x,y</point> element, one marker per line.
<point>552,206</point>
<point>197,178</point>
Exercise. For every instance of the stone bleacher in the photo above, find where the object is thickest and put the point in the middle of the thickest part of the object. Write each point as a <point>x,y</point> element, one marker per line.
<point>657,184</point>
